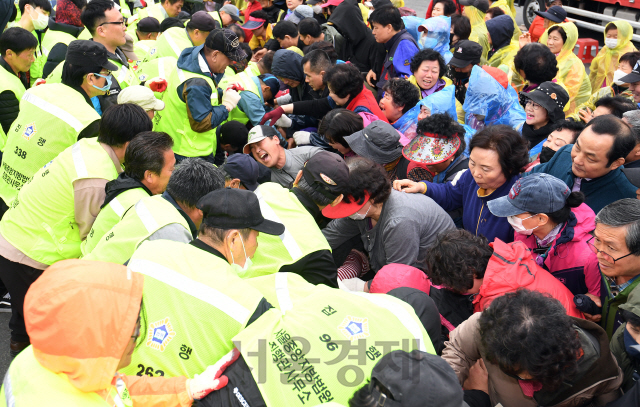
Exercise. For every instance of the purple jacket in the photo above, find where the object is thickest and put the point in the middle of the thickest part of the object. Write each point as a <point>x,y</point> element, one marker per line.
<point>477,219</point>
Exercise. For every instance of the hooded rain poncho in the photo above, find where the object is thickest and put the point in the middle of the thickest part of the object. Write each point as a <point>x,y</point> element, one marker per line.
<point>500,30</point>
<point>571,72</point>
<point>478,31</point>
<point>606,62</point>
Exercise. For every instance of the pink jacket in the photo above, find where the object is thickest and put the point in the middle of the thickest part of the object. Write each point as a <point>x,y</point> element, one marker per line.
<point>569,259</point>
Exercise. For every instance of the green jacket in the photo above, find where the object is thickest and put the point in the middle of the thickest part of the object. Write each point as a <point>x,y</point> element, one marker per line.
<point>626,363</point>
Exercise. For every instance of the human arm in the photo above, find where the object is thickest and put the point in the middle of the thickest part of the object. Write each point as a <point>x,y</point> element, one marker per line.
<point>462,350</point>
<point>401,240</point>
<point>339,231</point>
<point>251,105</point>
<point>9,109</point>
<point>203,117</point>
<point>88,197</point>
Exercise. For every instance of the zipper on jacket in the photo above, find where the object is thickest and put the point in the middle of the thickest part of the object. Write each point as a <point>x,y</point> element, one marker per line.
<point>479,217</point>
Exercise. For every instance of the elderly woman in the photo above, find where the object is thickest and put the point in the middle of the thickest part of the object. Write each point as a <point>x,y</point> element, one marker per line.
<point>338,124</point>
<point>497,154</point>
<point>532,65</point>
<point>428,70</point>
<point>543,107</point>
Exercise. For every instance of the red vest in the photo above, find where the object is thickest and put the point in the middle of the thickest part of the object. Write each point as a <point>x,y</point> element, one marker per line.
<point>367,100</point>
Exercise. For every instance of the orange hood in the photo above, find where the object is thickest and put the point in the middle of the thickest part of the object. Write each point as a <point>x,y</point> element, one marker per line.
<point>80,316</point>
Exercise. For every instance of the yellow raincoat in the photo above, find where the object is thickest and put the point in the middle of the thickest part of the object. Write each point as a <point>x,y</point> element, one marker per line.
<point>504,56</point>
<point>509,9</point>
<point>597,95</point>
<point>571,72</point>
<point>478,30</point>
<point>606,62</point>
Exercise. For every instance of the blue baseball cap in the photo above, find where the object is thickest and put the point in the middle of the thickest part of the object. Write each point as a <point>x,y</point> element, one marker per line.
<point>244,168</point>
<point>536,193</point>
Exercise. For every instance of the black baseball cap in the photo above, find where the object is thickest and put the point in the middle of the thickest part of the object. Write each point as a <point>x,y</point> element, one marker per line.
<point>482,5</point>
<point>244,168</point>
<point>634,76</point>
<point>416,379</point>
<point>557,14</point>
<point>202,21</point>
<point>89,53</point>
<point>170,22</point>
<point>466,52</point>
<point>227,42</point>
<point>229,208</point>
<point>149,25</point>
<point>326,173</point>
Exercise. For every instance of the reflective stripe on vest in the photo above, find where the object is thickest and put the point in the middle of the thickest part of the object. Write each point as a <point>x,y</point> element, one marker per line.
<point>282,292</point>
<point>78,161</point>
<point>123,75</point>
<point>173,45</point>
<point>8,393</point>
<point>146,217</point>
<point>117,207</point>
<point>54,110</point>
<point>289,242</point>
<point>200,291</point>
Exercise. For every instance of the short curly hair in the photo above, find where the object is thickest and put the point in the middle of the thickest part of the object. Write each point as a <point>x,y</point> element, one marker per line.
<point>344,80</point>
<point>427,54</point>
<point>444,126</point>
<point>403,93</point>
<point>339,123</point>
<point>512,148</point>
<point>367,176</point>
<point>537,62</point>
<point>457,258</point>
<point>527,331</point>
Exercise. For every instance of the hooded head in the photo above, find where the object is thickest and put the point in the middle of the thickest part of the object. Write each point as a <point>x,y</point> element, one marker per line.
<point>500,30</point>
<point>571,32</point>
<point>80,316</point>
<point>287,64</point>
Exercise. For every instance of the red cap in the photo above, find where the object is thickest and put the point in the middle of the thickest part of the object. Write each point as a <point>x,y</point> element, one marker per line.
<point>344,209</point>
<point>332,3</point>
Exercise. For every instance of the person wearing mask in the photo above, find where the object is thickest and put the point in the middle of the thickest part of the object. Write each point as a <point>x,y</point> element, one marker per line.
<point>544,108</point>
<point>258,24</point>
<point>203,278</point>
<point>81,300</point>
<point>561,39</point>
<point>34,16</point>
<point>192,108</point>
<point>394,227</point>
<point>503,50</point>
<point>388,29</point>
<point>148,163</point>
<point>555,225</point>
<point>56,115</point>
<point>467,54</point>
<point>106,25</point>
<point>565,132</point>
<point>533,64</point>
<point>592,164</point>
<point>460,29</point>
<point>17,48</point>
<point>497,154</point>
<point>72,189</point>
<point>625,341</point>
<point>175,40</point>
<point>541,22</point>
<point>400,96</point>
<point>617,42</point>
<point>147,33</point>
<point>514,335</point>
<point>173,215</point>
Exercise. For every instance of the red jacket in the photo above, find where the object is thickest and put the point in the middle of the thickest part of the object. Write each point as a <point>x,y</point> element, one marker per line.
<point>251,7</point>
<point>365,101</point>
<point>511,267</point>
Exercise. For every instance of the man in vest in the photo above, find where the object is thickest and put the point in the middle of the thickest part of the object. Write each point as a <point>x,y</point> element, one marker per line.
<point>194,106</point>
<point>148,163</point>
<point>106,25</point>
<point>17,47</point>
<point>54,116</point>
<point>302,249</point>
<point>200,277</point>
<point>175,40</point>
<point>170,216</point>
<point>65,28</point>
<point>229,14</point>
<point>55,211</point>
<point>34,16</point>
<point>388,29</point>
<point>147,32</point>
<point>159,11</point>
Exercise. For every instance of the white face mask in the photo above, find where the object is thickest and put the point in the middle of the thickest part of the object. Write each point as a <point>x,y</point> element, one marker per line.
<point>40,22</point>
<point>247,260</point>
<point>516,223</point>
<point>611,42</point>
<point>317,9</point>
<point>359,216</point>
<point>617,75</point>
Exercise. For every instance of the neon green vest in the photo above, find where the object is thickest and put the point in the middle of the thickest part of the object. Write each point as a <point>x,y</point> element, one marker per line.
<point>49,39</point>
<point>144,49</point>
<point>41,220</point>
<point>50,119</point>
<point>157,68</point>
<point>124,75</point>
<point>301,237</point>
<point>152,10</point>
<point>249,86</point>
<point>28,383</point>
<point>146,217</point>
<point>322,347</point>
<point>216,16</point>
<point>172,42</point>
<point>285,287</point>
<point>110,215</point>
<point>174,119</point>
<point>252,69</point>
<point>195,305</point>
<point>9,82</point>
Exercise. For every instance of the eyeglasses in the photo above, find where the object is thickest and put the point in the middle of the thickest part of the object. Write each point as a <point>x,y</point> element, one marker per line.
<point>606,256</point>
<point>533,104</point>
<point>121,22</point>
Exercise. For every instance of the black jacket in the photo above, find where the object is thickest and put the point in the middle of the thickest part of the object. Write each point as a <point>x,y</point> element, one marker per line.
<point>58,53</point>
<point>9,103</point>
<point>119,185</point>
<point>288,64</point>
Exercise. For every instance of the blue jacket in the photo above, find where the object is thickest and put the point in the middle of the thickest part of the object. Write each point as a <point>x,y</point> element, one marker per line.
<point>202,116</point>
<point>476,218</point>
<point>251,104</point>
<point>599,192</point>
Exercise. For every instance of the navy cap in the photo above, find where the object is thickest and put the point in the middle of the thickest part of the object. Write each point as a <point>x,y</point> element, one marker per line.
<point>89,53</point>
<point>326,173</point>
<point>557,14</point>
<point>244,168</point>
<point>149,25</point>
<point>536,193</point>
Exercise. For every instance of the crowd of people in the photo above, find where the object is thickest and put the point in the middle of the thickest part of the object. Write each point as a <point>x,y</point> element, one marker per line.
<point>310,202</point>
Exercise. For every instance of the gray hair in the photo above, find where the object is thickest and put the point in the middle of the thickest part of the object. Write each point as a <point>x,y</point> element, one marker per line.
<point>624,213</point>
<point>192,179</point>
<point>633,118</point>
<point>218,235</point>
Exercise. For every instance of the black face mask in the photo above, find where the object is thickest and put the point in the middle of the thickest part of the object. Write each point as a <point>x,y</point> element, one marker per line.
<point>461,75</point>
<point>451,44</point>
<point>546,154</point>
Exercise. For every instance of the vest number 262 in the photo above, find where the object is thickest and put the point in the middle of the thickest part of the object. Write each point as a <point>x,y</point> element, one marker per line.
<point>20,153</point>
<point>148,371</point>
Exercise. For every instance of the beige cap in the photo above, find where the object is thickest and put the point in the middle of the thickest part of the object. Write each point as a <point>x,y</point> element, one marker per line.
<point>141,96</point>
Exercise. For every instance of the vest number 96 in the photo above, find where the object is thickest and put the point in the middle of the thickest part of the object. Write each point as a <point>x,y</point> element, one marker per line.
<point>20,153</point>
<point>148,371</point>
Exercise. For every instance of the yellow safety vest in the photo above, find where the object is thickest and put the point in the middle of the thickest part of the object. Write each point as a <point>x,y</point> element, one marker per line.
<point>157,68</point>
<point>152,10</point>
<point>9,82</point>
<point>171,43</point>
<point>247,83</point>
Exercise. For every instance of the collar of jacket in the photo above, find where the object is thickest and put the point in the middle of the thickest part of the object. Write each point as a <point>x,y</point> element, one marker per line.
<point>192,226</point>
<point>209,249</point>
<point>65,28</point>
<point>389,44</point>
